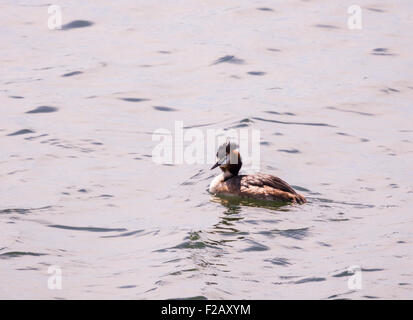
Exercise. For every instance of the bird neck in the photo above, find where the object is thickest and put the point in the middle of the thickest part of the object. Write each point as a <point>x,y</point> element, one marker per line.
<point>231,170</point>
<point>227,175</point>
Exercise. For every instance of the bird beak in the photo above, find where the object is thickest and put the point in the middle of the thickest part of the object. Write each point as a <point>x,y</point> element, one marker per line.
<point>215,165</point>
<point>219,162</point>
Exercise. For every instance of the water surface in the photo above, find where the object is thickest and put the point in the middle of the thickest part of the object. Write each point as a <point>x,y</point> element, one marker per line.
<point>79,188</point>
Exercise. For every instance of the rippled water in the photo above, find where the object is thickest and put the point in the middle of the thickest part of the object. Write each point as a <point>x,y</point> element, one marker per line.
<point>79,189</point>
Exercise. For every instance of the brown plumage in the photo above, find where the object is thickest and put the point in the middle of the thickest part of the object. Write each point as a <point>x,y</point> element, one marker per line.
<point>256,186</point>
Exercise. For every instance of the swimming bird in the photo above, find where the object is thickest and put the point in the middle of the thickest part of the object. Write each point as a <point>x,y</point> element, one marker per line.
<point>255,186</point>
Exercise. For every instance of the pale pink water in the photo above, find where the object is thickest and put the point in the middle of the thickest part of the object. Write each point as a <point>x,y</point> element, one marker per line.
<point>81,191</point>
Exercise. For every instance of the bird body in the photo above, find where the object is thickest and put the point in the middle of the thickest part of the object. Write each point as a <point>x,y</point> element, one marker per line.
<point>255,186</point>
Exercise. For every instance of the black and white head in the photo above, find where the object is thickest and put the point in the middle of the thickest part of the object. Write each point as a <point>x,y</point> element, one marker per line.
<point>228,159</point>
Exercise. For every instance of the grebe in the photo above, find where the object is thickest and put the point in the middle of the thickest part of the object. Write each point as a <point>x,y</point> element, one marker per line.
<point>255,186</point>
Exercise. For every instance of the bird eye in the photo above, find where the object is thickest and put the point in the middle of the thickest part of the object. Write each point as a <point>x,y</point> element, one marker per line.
<point>228,148</point>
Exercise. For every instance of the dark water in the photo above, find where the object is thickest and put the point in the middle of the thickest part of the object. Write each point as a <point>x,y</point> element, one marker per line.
<point>80,190</point>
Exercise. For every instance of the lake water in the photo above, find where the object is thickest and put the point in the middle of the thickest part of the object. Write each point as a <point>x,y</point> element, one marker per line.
<point>79,188</point>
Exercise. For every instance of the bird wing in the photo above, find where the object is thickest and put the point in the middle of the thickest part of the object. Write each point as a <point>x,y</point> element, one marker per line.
<point>261,180</point>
